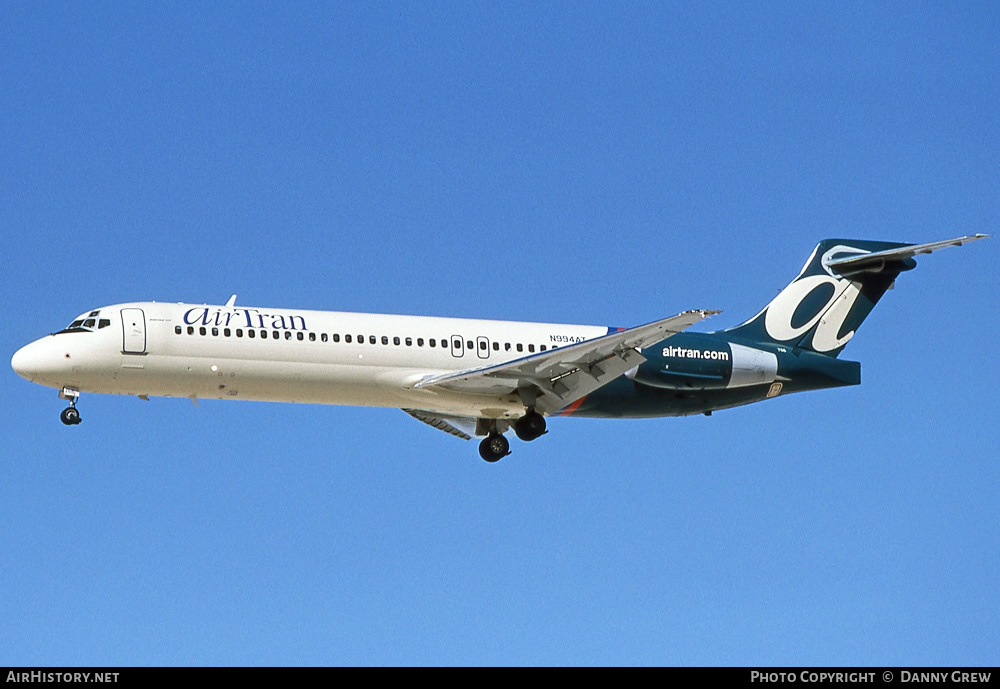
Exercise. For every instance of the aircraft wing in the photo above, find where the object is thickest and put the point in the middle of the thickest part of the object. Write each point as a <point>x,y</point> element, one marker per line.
<point>554,379</point>
<point>874,261</point>
<point>457,426</point>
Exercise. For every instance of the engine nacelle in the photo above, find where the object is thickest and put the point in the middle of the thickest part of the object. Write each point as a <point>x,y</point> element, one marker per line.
<point>689,364</point>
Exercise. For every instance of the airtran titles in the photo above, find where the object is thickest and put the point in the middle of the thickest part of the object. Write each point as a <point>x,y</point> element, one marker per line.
<point>243,318</point>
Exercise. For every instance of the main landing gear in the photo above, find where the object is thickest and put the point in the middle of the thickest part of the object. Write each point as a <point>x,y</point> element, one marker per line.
<point>495,446</point>
<point>530,426</point>
<point>70,415</point>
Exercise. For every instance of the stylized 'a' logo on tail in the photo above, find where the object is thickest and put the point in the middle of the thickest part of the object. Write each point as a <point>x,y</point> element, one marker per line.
<point>838,287</point>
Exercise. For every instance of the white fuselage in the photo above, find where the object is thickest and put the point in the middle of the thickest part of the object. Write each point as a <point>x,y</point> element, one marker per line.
<point>282,355</point>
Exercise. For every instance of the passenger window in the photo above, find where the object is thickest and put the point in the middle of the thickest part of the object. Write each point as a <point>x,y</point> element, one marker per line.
<point>202,330</point>
<point>288,335</point>
<point>385,339</point>
<point>239,332</point>
<point>361,339</point>
<point>227,332</point>
<point>312,337</point>
<point>469,344</point>
<point>215,332</point>
<point>420,342</point>
<point>300,337</point>
<point>531,348</point>
<point>371,339</point>
<point>409,342</point>
<point>496,346</point>
<point>506,346</point>
<point>395,341</point>
<point>347,338</point>
<point>482,344</point>
<point>105,322</point>
<point>543,348</point>
<point>251,334</point>
<point>324,338</point>
<point>263,334</point>
<point>275,334</point>
<point>177,330</point>
<point>520,347</point>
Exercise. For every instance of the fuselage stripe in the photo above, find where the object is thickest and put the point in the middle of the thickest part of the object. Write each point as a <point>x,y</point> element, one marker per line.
<point>573,407</point>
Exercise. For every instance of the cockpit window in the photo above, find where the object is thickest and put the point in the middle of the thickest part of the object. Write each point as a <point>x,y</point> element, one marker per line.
<point>86,323</point>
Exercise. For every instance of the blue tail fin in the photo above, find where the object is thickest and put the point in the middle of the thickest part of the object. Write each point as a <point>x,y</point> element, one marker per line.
<point>822,308</point>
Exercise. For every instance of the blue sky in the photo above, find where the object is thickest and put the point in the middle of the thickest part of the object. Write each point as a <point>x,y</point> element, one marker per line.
<point>570,162</point>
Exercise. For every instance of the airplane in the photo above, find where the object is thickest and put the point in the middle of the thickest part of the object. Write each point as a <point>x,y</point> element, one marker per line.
<point>480,377</point>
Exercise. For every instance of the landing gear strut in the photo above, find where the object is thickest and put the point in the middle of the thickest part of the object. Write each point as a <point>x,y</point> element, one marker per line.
<point>70,415</point>
<point>530,426</point>
<point>494,447</point>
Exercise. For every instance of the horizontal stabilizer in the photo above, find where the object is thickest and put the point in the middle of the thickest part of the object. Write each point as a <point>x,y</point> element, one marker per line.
<point>875,261</point>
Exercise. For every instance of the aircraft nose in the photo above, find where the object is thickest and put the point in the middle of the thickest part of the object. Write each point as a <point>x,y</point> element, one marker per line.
<point>34,360</point>
<point>21,362</point>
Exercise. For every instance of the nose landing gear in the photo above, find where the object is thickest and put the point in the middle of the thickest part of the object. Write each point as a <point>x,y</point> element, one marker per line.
<point>70,415</point>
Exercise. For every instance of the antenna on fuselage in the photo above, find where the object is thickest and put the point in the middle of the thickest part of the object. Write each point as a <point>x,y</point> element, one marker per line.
<point>231,302</point>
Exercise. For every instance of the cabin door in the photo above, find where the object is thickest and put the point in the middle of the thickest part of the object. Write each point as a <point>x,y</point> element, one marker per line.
<point>134,331</point>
